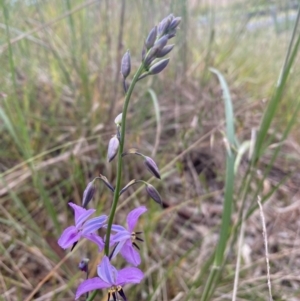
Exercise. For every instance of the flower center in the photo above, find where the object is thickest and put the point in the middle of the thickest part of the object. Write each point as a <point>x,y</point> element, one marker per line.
<point>115,291</point>
<point>133,236</point>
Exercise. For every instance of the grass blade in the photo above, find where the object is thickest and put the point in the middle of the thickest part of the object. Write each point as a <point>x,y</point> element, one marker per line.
<point>228,197</point>
<point>158,119</point>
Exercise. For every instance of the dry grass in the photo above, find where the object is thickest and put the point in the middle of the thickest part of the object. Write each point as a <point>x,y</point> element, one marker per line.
<point>58,101</point>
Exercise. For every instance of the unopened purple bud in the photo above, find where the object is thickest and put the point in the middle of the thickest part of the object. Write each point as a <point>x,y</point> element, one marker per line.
<point>83,265</point>
<point>150,56</point>
<point>113,147</point>
<point>153,193</point>
<point>158,46</point>
<point>174,23</point>
<point>159,66</point>
<point>126,64</point>
<point>151,38</point>
<point>163,25</point>
<point>165,51</point>
<point>88,194</point>
<point>152,167</point>
<point>161,43</point>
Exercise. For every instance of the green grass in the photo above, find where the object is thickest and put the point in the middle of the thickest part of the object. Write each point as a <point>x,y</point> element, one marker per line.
<point>59,94</point>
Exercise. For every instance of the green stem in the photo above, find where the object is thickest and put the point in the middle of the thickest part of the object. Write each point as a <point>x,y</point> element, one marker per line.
<point>119,166</point>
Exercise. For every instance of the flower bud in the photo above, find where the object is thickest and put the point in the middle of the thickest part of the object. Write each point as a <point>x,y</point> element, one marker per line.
<point>153,193</point>
<point>88,194</point>
<point>161,43</point>
<point>150,56</point>
<point>151,38</point>
<point>113,147</point>
<point>174,23</point>
<point>125,64</point>
<point>152,167</point>
<point>159,66</point>
<point>163,25</point>
<point>83,265</point>
<point>158,46</point>
<point>165,51</point>
<point>118,119</point>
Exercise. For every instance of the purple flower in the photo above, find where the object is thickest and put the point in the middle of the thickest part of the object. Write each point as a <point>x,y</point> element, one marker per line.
<point>110,278</point>
<point>125,239</point>
<point>83,228</point>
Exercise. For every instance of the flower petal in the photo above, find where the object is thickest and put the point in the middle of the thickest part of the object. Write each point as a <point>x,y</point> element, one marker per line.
<point>133,216</point>
<point>129,275</point>
<point>96,239</point>
<point>68,237</point>
<point>118,248</point>
<point>130,254</point>
<point>94,224</point>
<point>120,236</point>
<point>107,272</point>
<point>90,285</point>
<point>117,228</point>
<point>81,214</point>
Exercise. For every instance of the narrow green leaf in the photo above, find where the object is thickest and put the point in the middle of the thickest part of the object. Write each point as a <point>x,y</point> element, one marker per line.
<point>158,121</point>
<point>228,197</point>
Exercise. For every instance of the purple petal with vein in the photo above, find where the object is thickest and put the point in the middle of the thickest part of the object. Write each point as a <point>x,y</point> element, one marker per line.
<point>117,228</point>
<point>95,239</point>
<point>68,237</point>
<point>118,248</point>
<point>94,224</point>
<point>107,272</point>
<point>133,216</point>
<point>130,254</point>
<point>129,275</point>
<point>81,214</point>
<point>91,285</point>
<point>120,236</point>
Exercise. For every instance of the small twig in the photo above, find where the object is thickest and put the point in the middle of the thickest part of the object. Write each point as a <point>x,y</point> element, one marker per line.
<point>266,245</point>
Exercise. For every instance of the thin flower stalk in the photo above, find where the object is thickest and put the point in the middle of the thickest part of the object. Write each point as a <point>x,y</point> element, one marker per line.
<point>120,151</point>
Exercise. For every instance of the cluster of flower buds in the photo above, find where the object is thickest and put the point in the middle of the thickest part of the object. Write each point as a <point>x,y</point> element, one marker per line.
<point>124,240</point>
<point>156,45</point>
<point>155,48</point>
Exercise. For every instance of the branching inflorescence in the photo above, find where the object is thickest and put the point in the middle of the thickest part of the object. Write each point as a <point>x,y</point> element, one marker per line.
<point>123,240</point>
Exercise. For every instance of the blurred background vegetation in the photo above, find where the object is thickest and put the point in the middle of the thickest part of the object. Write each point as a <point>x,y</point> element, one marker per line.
<point>60,91</point>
